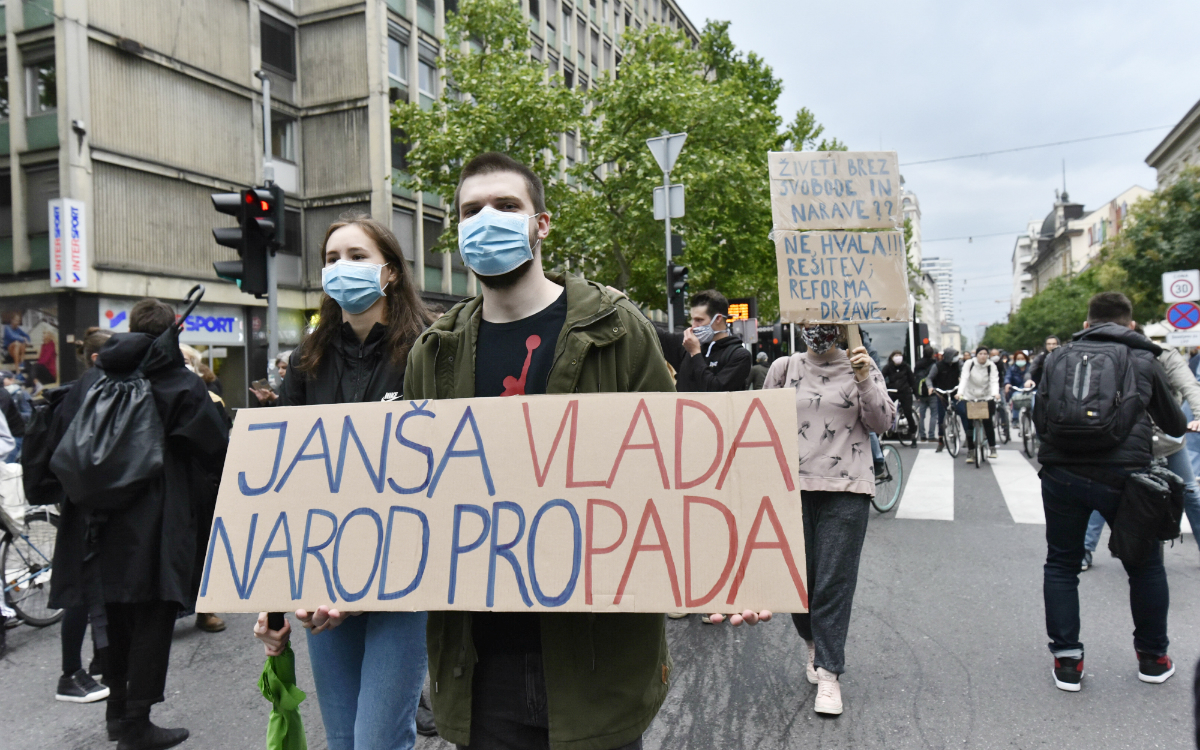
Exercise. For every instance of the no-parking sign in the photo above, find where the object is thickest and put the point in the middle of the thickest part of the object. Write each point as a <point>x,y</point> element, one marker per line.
<point>1183,315</point>
<point>1181,286</point>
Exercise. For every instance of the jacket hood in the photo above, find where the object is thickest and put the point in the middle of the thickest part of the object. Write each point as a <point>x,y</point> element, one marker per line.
<point>125,351</point>
<point>1118,334</point>
<point>950,353</point>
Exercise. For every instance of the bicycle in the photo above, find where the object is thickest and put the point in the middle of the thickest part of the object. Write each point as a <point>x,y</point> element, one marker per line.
<point>888,484</point>
<point>1001,424</point>
<point>901,427</point>
<point>26,553</point>
<point>978,433</point>
<point>1029,437</point>
<point>952,430</point>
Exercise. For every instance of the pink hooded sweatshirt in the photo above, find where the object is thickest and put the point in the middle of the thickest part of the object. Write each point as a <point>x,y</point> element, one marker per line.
<point>834,413</point>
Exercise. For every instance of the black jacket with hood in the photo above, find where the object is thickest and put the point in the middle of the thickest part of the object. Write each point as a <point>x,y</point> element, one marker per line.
<point>350,372</point>
<point>1154,390</point>
<point>721,365</point>
<point>946,373</point>
<point>149,550</point>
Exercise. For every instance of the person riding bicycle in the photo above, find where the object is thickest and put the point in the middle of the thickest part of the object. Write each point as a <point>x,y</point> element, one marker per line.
<point>980,381</point>
<point>944,375</point>
<point>1015,379</point>
<point>900,378</point>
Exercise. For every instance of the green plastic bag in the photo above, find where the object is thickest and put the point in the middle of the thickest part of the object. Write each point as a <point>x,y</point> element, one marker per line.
<point>285,731</point>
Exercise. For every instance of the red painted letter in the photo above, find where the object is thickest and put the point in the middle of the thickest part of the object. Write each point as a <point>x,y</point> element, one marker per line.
<point>756,405</point>
<point>571,455</point>
<point>652,445</point>
<point>679,483</point>
<point>780,544</point>
<point>650,513</point>
<point>730,523</point>
<point>591,550</point>
<point>540,473</point>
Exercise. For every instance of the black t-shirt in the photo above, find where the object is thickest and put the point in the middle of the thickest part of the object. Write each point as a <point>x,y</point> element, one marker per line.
<point>514,359</point>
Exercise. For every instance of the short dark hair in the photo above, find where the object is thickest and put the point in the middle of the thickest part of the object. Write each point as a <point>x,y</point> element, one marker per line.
<point>713,301</point>
<point>1052,336</point>
<point>982,349</point>
<point>1110,307</point>
<point>151,316</point>
<point>494,161</point>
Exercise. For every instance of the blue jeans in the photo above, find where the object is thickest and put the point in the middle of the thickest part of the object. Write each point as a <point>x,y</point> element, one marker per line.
<point>1069,499</point>
<point>15,456</point>
<point>876,449</point>
<point>930,407</point>
<point>369,672</point>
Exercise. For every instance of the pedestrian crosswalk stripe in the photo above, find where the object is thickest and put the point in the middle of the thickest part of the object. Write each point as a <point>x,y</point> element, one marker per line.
<point>1020,485</point>
<point>929,492</point>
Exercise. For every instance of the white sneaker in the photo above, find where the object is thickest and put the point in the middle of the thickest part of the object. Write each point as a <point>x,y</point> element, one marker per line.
<point>676,615</point>
<point>829,693</point>
<point>809,670</point>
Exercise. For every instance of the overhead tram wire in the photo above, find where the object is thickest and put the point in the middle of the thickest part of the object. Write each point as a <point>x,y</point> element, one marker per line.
<point>1030,148</point>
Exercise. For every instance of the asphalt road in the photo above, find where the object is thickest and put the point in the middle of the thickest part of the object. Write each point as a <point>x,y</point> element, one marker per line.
<point>946,650</point>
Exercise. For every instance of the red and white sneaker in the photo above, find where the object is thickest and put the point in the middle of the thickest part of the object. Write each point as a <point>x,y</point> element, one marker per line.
<point>1155,669</point>
<point>1068,673</point>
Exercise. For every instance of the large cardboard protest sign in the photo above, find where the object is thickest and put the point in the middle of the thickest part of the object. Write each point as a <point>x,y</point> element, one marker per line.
<point>646,502</point>
<point>841,277</point>
<point>835,190</point>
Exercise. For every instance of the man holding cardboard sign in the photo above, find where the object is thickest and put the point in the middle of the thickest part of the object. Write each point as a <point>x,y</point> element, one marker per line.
<point>546,531</point>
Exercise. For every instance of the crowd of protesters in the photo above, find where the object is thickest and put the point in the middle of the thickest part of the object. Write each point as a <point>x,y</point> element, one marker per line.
<point>129,569</point>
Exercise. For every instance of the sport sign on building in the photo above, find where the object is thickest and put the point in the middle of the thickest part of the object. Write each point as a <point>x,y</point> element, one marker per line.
<point>839,276</point>
<point>68,243</point>
<point>630,502</point>
<point>211,325</point>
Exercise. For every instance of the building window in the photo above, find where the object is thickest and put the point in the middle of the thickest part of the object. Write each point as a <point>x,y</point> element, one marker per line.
<point>41,89</point>
<point>428,81</point>
<point>551,35</point>
<point>535,10</point>
<point>398,60</point>
<point>278,46</point>
<point>283,137</point>
<point>566,27</point>
<point>3,91</point>
<point>568,77</point>
<point>400,149</point>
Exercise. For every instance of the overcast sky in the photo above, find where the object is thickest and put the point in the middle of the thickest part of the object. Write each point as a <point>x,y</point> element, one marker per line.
<point>932,79</point>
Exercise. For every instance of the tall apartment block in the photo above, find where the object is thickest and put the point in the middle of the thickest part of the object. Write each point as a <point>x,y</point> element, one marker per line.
<point>139,109</point>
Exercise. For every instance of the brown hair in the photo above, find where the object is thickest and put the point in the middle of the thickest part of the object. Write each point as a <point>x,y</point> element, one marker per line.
<point>151,316</point>
<point>406,317</point>
<point>714,302</point>
<point>93,339</point>
<point>494,161</point>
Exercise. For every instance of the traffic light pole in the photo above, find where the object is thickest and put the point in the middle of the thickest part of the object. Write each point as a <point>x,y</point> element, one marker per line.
<point>272,270</point>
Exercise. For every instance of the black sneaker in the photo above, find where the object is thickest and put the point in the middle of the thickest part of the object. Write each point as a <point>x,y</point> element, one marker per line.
<point>80,688</point>
<point>881,471</point>
<point>1068,673</point>
<point>1155,669</point>
<point>143,735</point>
<point>99,662</point>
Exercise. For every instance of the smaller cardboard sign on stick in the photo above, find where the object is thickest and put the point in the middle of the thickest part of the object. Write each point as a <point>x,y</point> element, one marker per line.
<point>841,277</point>
<point>835,190</point>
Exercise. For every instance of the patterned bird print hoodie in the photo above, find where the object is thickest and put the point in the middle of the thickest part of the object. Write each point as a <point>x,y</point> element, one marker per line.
<point>834,413</point>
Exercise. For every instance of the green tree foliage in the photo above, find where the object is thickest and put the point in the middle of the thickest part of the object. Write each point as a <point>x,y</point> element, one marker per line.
<point>1161,233</point>
<point>497,99</point>
<point>603,223</point>
<point>1058,310</point>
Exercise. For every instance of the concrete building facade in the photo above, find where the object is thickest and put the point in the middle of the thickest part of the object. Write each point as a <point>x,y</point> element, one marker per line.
<point>1023,251</point>
<point>1181,148</point>
<point>1071,238</point>
<point>142,108</point>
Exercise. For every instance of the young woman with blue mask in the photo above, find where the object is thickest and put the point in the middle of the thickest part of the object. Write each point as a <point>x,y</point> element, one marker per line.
<point>369,671</point>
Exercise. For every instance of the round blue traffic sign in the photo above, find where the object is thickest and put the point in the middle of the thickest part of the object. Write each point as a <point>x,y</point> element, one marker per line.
<point>1183,315</point>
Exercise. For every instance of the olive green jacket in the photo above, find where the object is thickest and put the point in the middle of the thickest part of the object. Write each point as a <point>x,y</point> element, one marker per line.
<point>606,674</point>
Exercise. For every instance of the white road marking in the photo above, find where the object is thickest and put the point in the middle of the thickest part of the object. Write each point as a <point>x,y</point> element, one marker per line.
<point>1020,485</point>
<point>929,493</point>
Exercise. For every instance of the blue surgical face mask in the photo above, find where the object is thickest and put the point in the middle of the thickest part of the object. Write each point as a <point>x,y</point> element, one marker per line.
<point>352,284</point>
<point>494,242</point>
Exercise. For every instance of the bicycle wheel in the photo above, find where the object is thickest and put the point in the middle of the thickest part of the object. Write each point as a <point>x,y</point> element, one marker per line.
<point>1027,436</point>
<point>952,433</point>
<point>26,564</point>
<point>1001,425</point>
<point>980,440</point>
<point>887,490</point>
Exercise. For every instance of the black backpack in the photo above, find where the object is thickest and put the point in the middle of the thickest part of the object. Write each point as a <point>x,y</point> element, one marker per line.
<point>1087,400</point>
<point>114,446</point>
<point>41,485</point>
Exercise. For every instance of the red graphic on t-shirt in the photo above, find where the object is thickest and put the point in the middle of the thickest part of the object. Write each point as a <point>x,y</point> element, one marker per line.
<point>513,386</point>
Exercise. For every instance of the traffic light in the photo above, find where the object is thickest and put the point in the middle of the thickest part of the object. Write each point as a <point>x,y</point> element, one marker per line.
<point>677,285</point>
<point>260,231</point>
<point>777,333</point>
<point>677,245</point>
